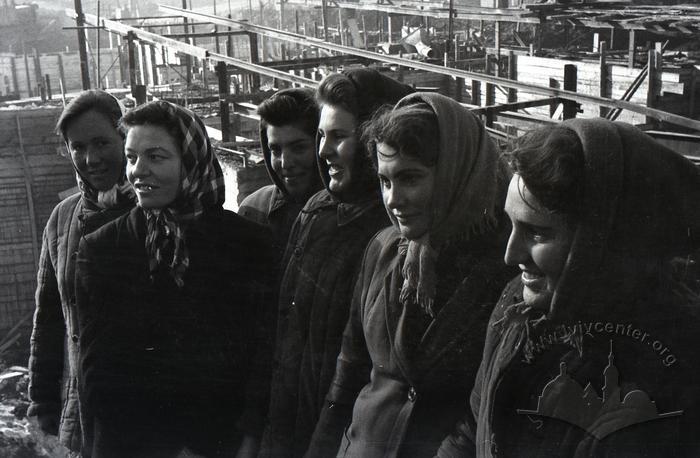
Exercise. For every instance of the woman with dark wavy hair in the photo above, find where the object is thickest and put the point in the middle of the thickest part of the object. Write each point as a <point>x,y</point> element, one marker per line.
<point>168,297</point>
<point>322,258</point>
<point>426,286</point>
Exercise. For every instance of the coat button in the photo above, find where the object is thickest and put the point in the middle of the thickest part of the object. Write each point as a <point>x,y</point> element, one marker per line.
<point>412,395</point>
<point>74,338</point>
<point>297,252</point>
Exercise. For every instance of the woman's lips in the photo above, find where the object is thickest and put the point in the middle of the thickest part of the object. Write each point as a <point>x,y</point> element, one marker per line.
<point>403,218</point>
<point>334,170</point>
<point>532,280</point>
<point>145,188</point>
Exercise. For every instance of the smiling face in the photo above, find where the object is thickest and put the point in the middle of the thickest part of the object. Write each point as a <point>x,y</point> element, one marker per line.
<point>293,159</point>
<point>154,165</point>
<point>338,146</point>
<point>96,149</point>
<point>407,190</point>
<point>539,244</point>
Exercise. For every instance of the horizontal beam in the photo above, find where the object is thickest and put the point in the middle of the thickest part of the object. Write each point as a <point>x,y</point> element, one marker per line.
<point>175,24</point>
<point>261,70</point>
<point>437,10</point>
<point>516,105</point>
<point>152,38</point>
<point>205,34</point>
<point>453,72</point>
<point>142,18</point>
<point>441,13</point>
<point>248,110</point>
<point>142,35</point>
<point>312,62</point>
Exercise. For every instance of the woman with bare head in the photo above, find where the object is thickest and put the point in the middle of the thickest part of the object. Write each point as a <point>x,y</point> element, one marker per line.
<point>89,128</point>
<point>322,257</point>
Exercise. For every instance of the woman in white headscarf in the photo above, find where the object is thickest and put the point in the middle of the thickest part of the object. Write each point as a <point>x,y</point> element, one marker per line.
<point>426,287</point>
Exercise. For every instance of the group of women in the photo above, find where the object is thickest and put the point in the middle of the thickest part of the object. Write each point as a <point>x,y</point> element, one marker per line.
<point>538,303</point>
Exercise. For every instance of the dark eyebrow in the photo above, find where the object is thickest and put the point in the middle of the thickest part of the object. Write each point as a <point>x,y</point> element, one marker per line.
<point>335,131</point>
<point>293,143</point>
<point>535,227</point>
<point>151,150</point>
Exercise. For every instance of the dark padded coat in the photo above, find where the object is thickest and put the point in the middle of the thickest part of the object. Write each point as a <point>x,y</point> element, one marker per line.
<point>53,362</point>
<point>321,262</point>
<point>162,368</point>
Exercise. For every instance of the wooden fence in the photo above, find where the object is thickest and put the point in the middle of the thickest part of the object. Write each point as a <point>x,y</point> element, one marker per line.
<point>32,174</point>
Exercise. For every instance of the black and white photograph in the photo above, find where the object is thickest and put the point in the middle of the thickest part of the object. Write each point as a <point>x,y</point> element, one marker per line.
<point>349,228</point>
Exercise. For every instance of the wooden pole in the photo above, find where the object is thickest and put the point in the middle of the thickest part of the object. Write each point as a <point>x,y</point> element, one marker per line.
<point>612,39</point>
<point>631,50</point>
<point>82,46</point>
<point>324,18</point>
<point>216,29</point>
<point>132,62</point>
<point>39,77</point>
<point>512,75</point>
<point>570,83</point>
<point>603,72</point>
<point>47,83</point>
<point>459,89</point>
<point>497,44</point>
<point>98,72</point>
<point>653,82</point>
<point>15,82</point>
<point>340,26</point>
<point>254,58</point>
<point>188,58</point>
<point>154,67</point>
<point>450,29</point>
<point>490,88</point>
<point>224,112</point>
<point>229,42</point>
<point>476,92</point>
<point>30,93</point>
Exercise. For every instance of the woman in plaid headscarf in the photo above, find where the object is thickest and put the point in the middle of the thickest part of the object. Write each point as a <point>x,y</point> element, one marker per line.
<point>168,300</point>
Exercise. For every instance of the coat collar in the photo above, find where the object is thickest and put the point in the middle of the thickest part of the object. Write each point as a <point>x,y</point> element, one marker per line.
<point>346,212</point>
<point>279,200</point>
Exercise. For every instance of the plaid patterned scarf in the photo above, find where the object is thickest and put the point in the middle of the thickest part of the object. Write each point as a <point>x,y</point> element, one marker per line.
<point>201,189</point>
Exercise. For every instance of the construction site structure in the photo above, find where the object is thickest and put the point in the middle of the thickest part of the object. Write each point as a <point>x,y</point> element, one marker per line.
<point>516,64</point>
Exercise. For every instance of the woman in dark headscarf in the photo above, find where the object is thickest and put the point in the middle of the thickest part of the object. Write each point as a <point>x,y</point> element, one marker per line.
<point>592,351</point>
<point>426,288</point>
<point>322,258</point>
<point>89,126</point>
<point>167,299</point>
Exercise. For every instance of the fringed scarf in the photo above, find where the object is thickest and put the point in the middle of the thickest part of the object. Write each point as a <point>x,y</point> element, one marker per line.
<point>201,189</point>
<point>464,198</point>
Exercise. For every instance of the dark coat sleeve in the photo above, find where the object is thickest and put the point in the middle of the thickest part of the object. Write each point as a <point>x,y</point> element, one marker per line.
<point>262,305</point>
<point>47,346</point>
<point>461,442</point>
<point>352,371</point>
